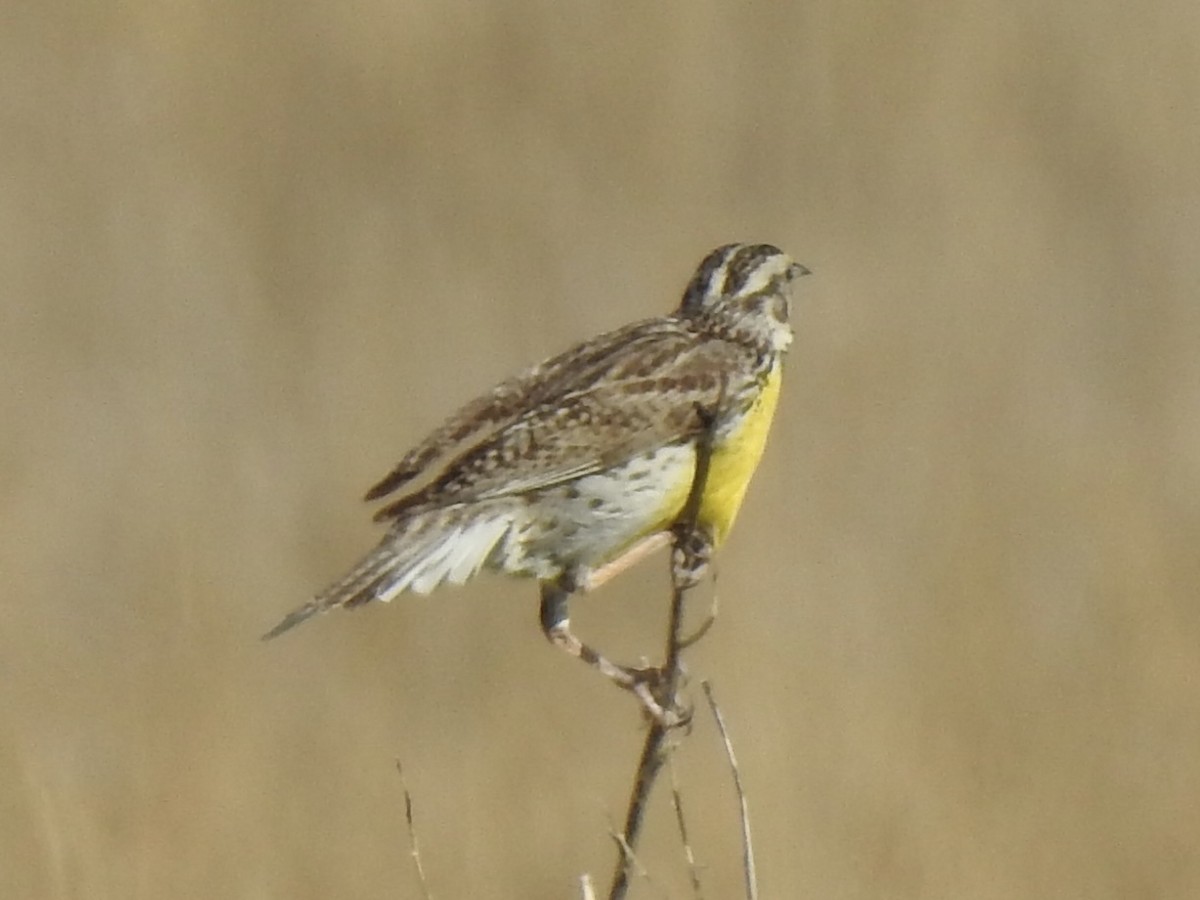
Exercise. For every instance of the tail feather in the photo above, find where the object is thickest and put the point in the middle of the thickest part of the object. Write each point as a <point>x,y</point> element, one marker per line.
<point>451,555</point>
<point>415,558</point>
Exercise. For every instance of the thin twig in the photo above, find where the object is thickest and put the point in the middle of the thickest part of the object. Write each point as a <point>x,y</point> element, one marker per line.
<point>633,862</point>
<point>585,887</point>
<point>748,867</point>
<point>412,834</point>
<point>677,798</point>
<point>655,748</point>
<point>648,765</point>
<point>702,628</point>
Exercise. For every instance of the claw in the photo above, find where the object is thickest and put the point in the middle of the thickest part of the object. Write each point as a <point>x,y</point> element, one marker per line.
<point>649,685</point>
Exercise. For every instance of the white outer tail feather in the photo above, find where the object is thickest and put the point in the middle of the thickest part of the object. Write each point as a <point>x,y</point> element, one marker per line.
<point>416,558</point>
<point>453,554</point>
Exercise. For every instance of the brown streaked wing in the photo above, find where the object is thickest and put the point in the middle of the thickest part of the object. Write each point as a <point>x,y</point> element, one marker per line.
<point>587,431</point>
<point>575,369</point>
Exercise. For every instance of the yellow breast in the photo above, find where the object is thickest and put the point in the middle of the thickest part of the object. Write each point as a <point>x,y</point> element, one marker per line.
<point>735,458</point>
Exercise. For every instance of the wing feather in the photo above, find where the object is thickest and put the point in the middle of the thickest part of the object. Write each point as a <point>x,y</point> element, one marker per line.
<point>661,397</point>
<point>573,370</point>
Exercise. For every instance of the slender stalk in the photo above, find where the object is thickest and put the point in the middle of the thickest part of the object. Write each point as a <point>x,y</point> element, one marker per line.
<point>748,868</point>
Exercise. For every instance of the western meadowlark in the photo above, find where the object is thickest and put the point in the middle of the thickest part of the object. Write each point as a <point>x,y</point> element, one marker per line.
<point>580,466</point>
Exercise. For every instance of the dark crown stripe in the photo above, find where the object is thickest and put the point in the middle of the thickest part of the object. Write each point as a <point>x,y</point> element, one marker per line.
<point>744,263</point>
<point>706,283</point>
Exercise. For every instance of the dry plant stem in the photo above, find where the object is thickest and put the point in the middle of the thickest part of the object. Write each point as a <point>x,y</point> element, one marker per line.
<point>585,887</point>
<point>702,628</point>
<point>635,864</point>
<point>655,748</point>
<point>647,771</point>
<point>412,835</point>
<point>748,868</point>
<point>677,799</point>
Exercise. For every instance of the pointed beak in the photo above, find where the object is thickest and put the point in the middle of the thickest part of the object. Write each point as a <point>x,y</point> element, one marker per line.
<point>797,270</point>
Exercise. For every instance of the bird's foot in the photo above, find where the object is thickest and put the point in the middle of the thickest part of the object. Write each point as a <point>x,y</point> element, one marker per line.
<point>659,694</point>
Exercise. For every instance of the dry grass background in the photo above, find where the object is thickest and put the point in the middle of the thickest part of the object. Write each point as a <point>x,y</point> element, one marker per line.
<point>253,250</point>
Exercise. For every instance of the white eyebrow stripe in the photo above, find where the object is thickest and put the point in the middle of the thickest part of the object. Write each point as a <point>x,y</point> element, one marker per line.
<point>766,272</point>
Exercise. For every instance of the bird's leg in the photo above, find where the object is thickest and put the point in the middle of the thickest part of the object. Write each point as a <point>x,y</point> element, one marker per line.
<point>556,626</point>
<point>627,560</point>
<point>691,561</point>
<point>691,556</point>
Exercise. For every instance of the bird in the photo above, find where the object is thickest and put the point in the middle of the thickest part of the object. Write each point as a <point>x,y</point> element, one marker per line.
<point>583,464</point>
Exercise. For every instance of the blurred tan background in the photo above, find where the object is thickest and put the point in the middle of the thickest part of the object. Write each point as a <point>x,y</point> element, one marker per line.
<point>252,251</point>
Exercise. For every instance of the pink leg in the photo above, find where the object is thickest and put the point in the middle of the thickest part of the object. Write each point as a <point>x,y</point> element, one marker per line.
<point>627,560</point>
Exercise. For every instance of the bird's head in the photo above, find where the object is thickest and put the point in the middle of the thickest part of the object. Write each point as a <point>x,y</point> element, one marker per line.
<point>742,291</point>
